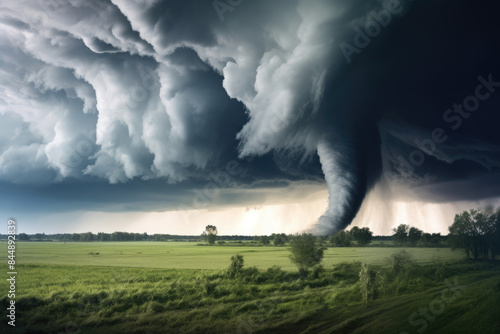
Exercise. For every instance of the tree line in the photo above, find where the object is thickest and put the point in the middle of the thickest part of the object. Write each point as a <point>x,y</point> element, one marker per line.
<point>476,231</point>
<point>116,236</point>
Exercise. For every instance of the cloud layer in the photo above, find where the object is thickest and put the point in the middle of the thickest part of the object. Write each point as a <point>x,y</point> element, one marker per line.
<point>140,92</point>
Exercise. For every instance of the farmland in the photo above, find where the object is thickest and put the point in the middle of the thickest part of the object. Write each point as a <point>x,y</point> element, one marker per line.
<point>178,287</point>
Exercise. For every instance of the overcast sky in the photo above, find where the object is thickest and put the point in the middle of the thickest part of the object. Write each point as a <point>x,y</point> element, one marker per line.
<point>255,116</point>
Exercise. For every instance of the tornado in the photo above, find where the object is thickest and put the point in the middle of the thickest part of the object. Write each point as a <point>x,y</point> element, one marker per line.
<point>342,167</point>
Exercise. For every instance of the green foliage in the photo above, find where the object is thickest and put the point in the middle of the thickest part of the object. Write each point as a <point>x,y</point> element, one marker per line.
<point>371,282</point>
<point>477,232</point>
<point>341,239</point>
<point>414,235</point>
<point>348,272</point>
<point>363,236</point>
<point>210,234</point>
<point>264,240</point>
<point>235,266</point>
<point>115,297</point>
<point>23,236</point>
<point>401,262</point>
<point>317,272</point>
<point>430,240</point>
<point>280,239</point>
<point>400,235</point>
<point>305,252</point>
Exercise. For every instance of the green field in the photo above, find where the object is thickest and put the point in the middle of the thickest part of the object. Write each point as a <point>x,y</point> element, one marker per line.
<point>186,255</point>
<point>177,287</point>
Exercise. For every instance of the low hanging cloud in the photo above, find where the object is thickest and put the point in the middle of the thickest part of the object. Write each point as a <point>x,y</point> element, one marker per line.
<point>129,92</point>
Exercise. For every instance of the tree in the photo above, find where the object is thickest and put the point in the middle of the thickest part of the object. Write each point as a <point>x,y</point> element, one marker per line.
<point>280,239</point>
<point>88,236</point>
<point>236,265</point>
<point>210,234</point>
<point>475,231</point>
<point>414,235</point>
<point>204,236</point>
<point>400,235</point>
<point>39,236</point>
<point>306,253</point>
<point>103,236</point>
<point>341,239</point>
<point>264,239</point>
<point>363,236</point>
<point>23,236</point>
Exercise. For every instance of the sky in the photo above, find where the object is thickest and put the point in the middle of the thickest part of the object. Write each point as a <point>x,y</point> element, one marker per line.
<point>255,116</point>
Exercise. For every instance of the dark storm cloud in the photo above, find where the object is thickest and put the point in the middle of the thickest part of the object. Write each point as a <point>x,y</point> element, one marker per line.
<point>157,96</point>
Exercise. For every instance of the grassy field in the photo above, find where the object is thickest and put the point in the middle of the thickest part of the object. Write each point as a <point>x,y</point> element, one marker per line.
<point>147,287</point>
<point>186,255</point>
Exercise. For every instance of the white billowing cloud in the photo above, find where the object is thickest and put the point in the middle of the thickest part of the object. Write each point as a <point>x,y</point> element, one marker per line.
<point>103,88</point>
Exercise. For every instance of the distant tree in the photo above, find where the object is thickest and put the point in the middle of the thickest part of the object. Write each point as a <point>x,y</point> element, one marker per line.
<point>475,231</point>
<point>363,236</point>
<point>354,231</point>
<point>341,239</point>
<point>321,239</point>
<point>211,234</point>
<point>39,236</point>
<point>280,239</point>
<point>23,236</point>
<point>305,252</point>
<point>400,235</point>
<point>430,240</point>
<point>264,239</point>
<point>75,237</point>
<point>86,236</point>
<point>414,235</point>
<point>103,236</point>
<point>426,239</point>
<point>204,236</point>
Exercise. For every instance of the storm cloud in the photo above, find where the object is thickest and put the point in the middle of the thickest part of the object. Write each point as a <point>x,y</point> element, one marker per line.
<point>145,104</point>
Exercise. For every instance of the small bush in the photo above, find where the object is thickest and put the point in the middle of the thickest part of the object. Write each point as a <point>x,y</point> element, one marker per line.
<point>316,272</point>
<point>370,282</point>
<point>235,266</point>
<point>402,262</point>
<point>209,288</point>
<point>347,271</point>
<point>249,274</point>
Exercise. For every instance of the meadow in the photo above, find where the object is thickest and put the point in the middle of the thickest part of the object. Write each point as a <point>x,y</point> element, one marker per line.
<point>178,287</point>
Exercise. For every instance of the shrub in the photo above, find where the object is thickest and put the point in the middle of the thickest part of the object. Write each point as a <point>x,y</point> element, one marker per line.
<point>401,262</point>
<point>370,282</point>
<point>235,266</point>
<point>347,271</point>
<point>209,288</point>
<point>249,274</point>
<point>316,272</point>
